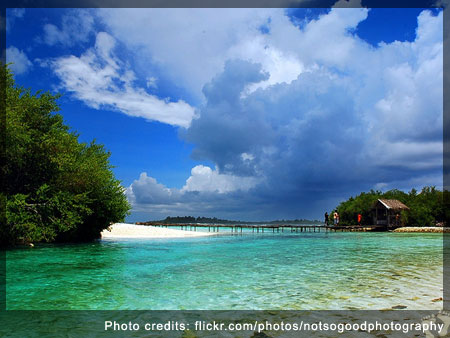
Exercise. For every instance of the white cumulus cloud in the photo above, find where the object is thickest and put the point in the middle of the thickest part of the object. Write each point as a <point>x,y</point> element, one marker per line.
<point>203,178</point>
<point>204,183</point>
<point>197,42</point>
<point>18,58</point>
<point>100,79</point>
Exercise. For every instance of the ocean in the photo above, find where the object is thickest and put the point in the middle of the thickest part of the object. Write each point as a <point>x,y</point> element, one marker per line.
<point>281,271</point>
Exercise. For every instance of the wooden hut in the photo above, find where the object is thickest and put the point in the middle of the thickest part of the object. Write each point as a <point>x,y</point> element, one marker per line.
<point>388,212</point>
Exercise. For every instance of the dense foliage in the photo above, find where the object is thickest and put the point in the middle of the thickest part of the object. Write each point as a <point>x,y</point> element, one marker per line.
<point>426,207</point>
<point>57,189</point>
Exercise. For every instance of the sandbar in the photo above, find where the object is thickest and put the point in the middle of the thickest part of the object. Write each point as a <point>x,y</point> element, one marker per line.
<point>126,230</point>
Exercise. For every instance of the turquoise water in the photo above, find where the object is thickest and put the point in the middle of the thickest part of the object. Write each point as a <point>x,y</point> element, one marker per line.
<point>343,270</point>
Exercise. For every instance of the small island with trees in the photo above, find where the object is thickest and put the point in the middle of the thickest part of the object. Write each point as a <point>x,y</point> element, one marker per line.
<point>424,208</point>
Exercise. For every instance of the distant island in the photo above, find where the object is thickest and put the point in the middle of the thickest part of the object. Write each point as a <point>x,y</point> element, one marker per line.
<point>214,220</point>
<point>423,208</point>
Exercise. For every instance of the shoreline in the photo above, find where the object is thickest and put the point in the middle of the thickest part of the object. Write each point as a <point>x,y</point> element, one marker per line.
<point>136,231</point>
<point>423,229</point>
<point>126,230</point>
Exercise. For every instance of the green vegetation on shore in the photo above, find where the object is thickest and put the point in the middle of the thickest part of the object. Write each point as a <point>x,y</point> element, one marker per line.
<point>56,188</point>
<point>426,207</point>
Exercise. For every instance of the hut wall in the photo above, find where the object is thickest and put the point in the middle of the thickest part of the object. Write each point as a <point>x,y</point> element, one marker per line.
<point>381,216</point>
<point>385,216</point>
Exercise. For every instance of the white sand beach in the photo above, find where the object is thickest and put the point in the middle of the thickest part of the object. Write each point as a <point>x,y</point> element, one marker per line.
<point>125,230</point>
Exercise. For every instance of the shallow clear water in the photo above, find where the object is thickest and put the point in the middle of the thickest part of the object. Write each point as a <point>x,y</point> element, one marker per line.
<point>343,270</point>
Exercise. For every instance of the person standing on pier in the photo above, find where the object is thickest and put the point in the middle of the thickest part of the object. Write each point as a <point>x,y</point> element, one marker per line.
<point>326,218</point>
<point>359,219</point>
<point>336,217</point>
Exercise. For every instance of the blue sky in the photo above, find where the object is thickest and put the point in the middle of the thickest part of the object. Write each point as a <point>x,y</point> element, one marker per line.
<point>244,113</point>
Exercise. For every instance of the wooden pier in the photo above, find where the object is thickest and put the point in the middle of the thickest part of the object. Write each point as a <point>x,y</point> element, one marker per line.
<point>261,228</point>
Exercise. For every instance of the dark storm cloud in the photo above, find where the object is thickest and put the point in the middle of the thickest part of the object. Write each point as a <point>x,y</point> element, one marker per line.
<point>294,149</point>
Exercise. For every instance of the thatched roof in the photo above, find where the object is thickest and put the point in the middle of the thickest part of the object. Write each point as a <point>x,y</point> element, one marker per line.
<point>393,204</point>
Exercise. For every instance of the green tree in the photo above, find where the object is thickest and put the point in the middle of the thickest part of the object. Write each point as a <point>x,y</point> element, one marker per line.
<point>361,204</point>
<point>57,189</point>
<point>425,208</point>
